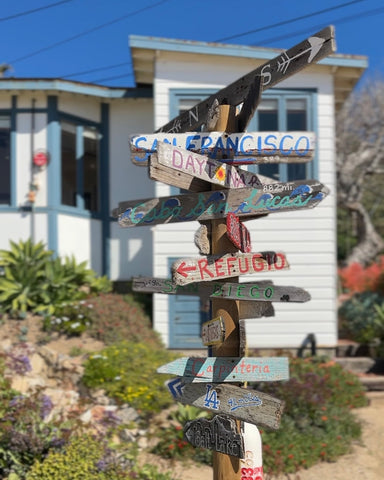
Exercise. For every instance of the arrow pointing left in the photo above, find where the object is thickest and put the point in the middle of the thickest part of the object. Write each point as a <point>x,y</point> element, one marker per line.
<point>175,386</point>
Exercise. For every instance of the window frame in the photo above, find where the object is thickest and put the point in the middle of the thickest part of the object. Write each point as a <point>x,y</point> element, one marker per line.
<point>279,94</point>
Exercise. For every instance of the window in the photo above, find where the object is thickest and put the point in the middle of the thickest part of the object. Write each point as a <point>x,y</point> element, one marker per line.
<point>80,166</point>
<point>5,160</point>
<point>280,110</point>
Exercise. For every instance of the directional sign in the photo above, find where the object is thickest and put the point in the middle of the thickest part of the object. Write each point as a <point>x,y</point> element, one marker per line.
<point>240,148</point>
<point>259,291</point>
<point>252,462</point>
<point>175,386</point>
<point>202,168</point>
<point>248,310</point>
<point>228,369</point>
<point>202,239</point>
<point>219,434</point>
<point>244,202</point>
<point>214,267</point>
<point>238,233</point>
<point>213,332</point>
<point>248,405</point>
<point>281,67</point>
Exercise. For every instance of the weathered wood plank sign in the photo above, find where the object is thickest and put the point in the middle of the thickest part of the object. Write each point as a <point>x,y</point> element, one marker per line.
<point>260,291</point>
<point>243,148</point>
<point>244,202</point>
<point>219,434</point>
<point>252,462</point>
<point>248,310</point>
<point>228,369</point>
<point>213,332</point>
<point>214,267</point>
<point>289,62</point>
<point>238,233</point>
<point>243,404</point>
<point>202,239</point>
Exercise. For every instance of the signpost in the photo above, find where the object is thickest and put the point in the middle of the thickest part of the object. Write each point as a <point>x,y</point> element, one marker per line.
<point>280,68</point>
<point>244,202</point>
<point>223,194</point>
<point>242,404</point>
<point>218,267</point>
<point>242,148</point>
<point>219,434</point>
<point>228,369</point>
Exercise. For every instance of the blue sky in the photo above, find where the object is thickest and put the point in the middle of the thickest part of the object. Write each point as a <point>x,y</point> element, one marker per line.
<point>64,38</point>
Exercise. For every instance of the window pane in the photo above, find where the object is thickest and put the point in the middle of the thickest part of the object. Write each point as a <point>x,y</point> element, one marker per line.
<point>5,160</point>
<point>297,120</point>
<point>91,170</point>
<point>269,121</point>
<point>68,165</point>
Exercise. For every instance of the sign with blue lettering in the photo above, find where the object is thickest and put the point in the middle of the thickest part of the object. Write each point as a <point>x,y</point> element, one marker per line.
<point>245,148</point>
<point>228,369</point>
<point>244,202</point>
<point>240,403</point>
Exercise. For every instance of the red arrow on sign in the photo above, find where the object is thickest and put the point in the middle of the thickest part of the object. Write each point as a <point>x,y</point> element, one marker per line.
<point>182,269</point>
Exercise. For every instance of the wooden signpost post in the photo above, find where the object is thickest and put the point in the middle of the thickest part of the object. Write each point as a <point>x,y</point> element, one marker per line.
<point>204,162</point>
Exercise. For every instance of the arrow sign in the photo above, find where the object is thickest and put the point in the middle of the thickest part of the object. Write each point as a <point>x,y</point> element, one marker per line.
<point>228,369</point>
<point>281,67</point>
<point>244,202</point>
<point>219,434</point>
<point>243,148</point>
<point>213,267</point>
<point>240,403</point>
<point>259,291</point>
<point>175,386</point>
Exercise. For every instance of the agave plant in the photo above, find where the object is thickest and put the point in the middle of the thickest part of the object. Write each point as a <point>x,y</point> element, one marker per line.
<point>22,284</point>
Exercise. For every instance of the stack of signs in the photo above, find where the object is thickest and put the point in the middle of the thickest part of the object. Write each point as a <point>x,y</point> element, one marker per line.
<point>194,161</point>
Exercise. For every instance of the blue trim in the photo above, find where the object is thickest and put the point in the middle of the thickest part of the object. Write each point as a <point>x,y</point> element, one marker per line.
<point>54,172</point>
<point>60,85</point>
<point>13,143</point>
<point>80,167</point>
<point>104,191</point>
<point>173,45</point>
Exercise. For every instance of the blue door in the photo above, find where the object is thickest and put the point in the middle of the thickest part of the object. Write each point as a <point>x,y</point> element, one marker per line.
<point>185,318</point>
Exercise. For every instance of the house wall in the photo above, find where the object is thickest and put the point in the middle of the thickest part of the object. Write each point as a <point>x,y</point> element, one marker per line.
<point>307,237</point>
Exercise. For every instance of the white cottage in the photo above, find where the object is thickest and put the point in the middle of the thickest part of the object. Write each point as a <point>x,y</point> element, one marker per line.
<point>84,130</point>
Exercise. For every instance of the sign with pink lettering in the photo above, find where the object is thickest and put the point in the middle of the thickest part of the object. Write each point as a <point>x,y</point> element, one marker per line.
<point>228,369</point>
<point>214,267</point>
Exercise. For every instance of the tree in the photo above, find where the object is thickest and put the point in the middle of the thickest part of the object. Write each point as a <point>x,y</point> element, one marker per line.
<point>360,166</point>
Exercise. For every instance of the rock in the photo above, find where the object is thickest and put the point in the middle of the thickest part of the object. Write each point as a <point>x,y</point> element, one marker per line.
<point>49,355</point>
<point>24,383</point>
<point>38,364</point>
<point>127,414</point>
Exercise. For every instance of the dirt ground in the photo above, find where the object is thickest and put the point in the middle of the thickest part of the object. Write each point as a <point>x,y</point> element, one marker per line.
<point>366,460</point>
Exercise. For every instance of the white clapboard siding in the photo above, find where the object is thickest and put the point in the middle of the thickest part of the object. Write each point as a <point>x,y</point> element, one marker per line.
<point>306,237</point>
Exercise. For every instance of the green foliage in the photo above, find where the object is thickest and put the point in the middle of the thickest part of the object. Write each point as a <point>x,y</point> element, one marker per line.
<point>87,457</point>
<point>317,423</point>
<point>186,413</point>
<point>117,317</point>
<point>33,280</point>
<point>70,319</point>
<point>127,372</point>
<point>22,285</point>
<point>360,318</point>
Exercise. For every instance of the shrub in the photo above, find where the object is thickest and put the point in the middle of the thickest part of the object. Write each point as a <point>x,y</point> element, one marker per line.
<point>90,458</point>
<point>70,319</point>
<point>317,423</point>
<point>117,317</point>
<point>357,278</point>
<point>127,372</point>
<point>33,280</point>
<point>360,317</point>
